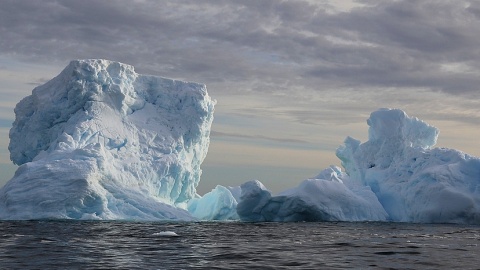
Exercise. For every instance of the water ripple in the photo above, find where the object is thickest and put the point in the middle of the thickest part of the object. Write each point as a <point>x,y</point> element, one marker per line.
<point>234,245</point>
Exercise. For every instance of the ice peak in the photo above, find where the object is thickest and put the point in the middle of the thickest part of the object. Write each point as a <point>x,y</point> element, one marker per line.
<point>395,125</point>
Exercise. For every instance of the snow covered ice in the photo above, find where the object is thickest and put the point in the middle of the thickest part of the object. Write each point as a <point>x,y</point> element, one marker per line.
<point>100,141</point>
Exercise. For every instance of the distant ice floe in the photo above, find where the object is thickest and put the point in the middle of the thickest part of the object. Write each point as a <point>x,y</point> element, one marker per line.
<point>166,234</point>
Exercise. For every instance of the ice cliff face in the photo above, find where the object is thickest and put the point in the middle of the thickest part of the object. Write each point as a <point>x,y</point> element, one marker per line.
<point>101,141</point>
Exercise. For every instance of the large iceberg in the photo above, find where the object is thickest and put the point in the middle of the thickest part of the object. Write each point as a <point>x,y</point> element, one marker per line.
<point>396,175</point>
<point>413,181</point>
<point>100,141</point>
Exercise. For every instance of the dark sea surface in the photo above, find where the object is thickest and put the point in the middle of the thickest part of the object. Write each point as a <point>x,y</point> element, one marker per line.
<point>236,245</point>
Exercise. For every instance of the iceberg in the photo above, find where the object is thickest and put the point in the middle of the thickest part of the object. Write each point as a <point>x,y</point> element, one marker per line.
<point>100,141</point>
<point>396,175</point>
<point>413,181</point>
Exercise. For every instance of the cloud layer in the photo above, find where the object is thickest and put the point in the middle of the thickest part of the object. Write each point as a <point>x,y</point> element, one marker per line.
<point>274,44</point>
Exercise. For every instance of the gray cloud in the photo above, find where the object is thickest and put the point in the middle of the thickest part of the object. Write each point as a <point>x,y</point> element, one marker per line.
<point>273,45</point>
<point>409,43</point>
<point>257,137</point>
<point>39,81</point>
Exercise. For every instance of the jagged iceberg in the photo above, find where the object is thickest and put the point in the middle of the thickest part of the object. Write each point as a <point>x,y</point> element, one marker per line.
<point>412,181</point>
<point>100,141</point>
<point>395,176</point>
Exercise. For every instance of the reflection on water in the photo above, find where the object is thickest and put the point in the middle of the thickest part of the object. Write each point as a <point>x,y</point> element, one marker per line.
<point>235,245</point>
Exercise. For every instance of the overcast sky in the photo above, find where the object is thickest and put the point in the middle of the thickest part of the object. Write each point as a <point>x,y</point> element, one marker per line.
<point>292,78</point>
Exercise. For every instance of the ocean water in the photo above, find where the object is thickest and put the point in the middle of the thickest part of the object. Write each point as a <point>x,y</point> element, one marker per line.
<point>236,245</point>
